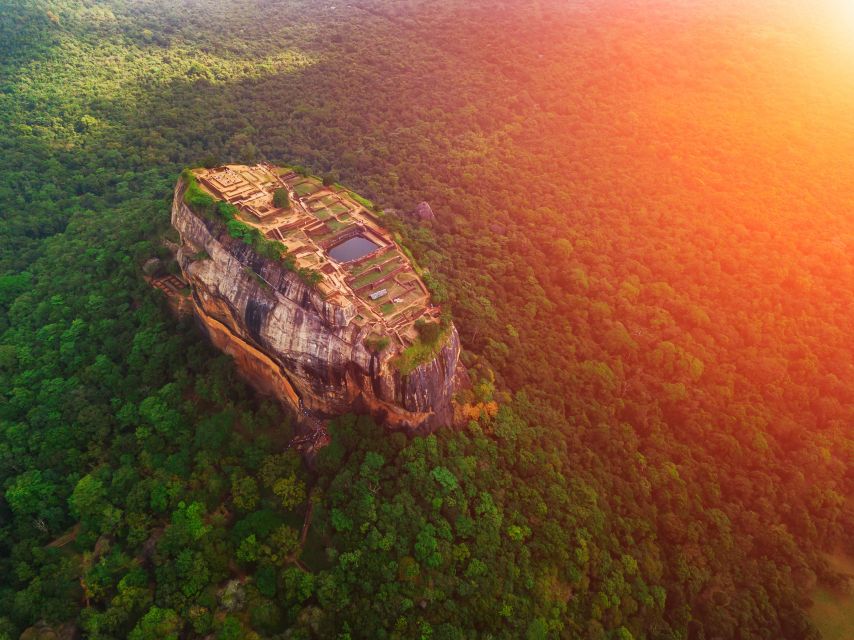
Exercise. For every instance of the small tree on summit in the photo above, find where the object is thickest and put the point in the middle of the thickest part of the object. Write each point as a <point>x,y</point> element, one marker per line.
<point>280,199</point>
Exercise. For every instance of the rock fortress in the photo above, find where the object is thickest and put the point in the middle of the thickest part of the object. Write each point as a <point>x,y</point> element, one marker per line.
<point>315,300</point>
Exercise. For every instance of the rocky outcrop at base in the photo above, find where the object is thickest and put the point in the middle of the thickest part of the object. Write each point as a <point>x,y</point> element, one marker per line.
<point>422,212</point>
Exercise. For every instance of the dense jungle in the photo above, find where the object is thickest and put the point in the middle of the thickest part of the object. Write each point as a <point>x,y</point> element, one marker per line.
<point>644,233</point>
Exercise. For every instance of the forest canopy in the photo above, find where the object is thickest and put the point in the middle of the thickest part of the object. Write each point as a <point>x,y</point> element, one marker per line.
<point>643,228</point>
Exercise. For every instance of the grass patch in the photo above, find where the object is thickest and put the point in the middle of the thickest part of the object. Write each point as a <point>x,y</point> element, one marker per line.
<point>373,276</point>
<point>362,201</point>
<point>367,264</point>
<point>417,354</point>
<point>338,208</point>
<point>336,226</point>
<point>377,343</point>
<point>281,199</point>
<point>397,291</point>
<point>306,188</point>
<point>431,338</point>
<point>194,197</point>
<point>323,237</point>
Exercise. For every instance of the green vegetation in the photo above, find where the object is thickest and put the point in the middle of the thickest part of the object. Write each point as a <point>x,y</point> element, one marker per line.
<point>197,199</point>
<point>311,277</point>
<point>226,213</point>
<point>336,226</point>
<point>831,613</point>
<point>370,262</point>
<point>372,276</point>
<point>270,249</point>
<point>172,235</point>
<point>431,338</point>
<point>370,206</point>
<point>833,601</point>
<point>645,237</point>
<point>376,343</point>
<point>306,188</point>
<point>329,179</point>
<point>281,198</point>
<point>404,513</point>
<point>428,332</point>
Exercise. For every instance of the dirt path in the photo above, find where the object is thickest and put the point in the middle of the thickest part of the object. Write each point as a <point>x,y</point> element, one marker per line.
<point>65,538</point>
<point>307,522</point>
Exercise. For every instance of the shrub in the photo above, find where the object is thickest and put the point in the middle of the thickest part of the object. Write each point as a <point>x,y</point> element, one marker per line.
<point>226,210</point>
<point>210,161</point>
<point>377,343</point>
<point>281,199</point>
<point>362,201</point>
<point>428,332</point>
<point>431,338</point>
<point>414,356</point>
<point>310,276</point>
<point>194,197</point>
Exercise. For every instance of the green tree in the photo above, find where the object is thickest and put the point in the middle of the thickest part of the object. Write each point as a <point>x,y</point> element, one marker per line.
<point>281,199</point>
<point>249,549</point>
<point>244,492</point>
<point>290,491</point>
<point>157,624</point>
<point>283,542</point>
<point>31,494</point>
<point>87,501</point>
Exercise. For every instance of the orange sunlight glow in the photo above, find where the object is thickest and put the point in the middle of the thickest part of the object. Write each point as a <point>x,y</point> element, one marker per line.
<point>840,16</point>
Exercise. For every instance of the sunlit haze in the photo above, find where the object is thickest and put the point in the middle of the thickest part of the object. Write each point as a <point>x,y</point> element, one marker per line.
<point>427,319</point>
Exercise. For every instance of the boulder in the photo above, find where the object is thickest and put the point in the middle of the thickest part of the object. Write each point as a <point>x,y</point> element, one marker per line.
<point>422,212</point>
<point>152,267</point>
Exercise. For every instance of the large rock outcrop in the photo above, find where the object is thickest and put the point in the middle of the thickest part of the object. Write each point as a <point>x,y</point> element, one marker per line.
<point>287,340</point>
<point>423,212</point>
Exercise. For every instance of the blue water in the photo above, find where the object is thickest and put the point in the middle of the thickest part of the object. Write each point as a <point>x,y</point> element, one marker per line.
<point>352,249</point>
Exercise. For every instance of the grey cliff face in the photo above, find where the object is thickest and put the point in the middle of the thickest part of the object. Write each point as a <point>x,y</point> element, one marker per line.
<point>284,334</point>
<point>421,213</point>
